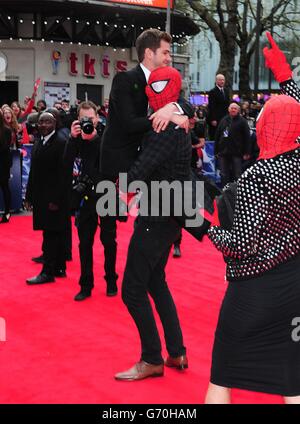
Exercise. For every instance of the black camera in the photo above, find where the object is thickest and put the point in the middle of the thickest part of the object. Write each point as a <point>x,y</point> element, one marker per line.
<point>82,188</point>
<point>86,125</point>
<point>84,185</point>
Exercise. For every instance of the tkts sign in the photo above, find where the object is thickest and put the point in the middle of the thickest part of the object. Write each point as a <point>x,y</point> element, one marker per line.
<point>162,4</point>
<point>90,65</point>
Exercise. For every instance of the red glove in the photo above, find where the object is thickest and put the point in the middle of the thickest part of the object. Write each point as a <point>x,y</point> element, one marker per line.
<point>215,221</point>
<point>275,60</point>
<point>126,198</point>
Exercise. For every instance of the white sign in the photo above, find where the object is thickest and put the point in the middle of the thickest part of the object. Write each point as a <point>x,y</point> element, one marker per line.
<point>3,66</point>
<point>56,92</point>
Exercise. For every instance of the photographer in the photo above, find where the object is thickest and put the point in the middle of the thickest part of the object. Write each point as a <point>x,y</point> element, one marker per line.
<point>84,145</point>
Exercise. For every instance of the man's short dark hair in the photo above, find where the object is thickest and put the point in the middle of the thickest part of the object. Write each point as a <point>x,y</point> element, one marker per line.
<point>87,105</point>
<point>150,39</point>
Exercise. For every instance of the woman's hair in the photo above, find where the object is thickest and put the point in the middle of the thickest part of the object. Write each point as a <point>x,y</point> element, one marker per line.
<point>14,123</point>
<point>19,106</point>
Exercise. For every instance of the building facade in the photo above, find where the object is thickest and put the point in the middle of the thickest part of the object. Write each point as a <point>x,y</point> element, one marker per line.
<point>76,47</point>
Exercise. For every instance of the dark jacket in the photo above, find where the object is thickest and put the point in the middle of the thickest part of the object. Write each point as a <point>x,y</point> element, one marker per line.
<point>127,122</point>
<point>237,143</point>
<point>5,155</point>
<point>88,152</point>
<point>217,104</point>
<point>166,157</point>
<point>47,185</point>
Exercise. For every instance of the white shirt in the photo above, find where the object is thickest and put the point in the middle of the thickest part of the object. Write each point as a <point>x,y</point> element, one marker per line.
<point>47,137</point>
<point>146,71</point>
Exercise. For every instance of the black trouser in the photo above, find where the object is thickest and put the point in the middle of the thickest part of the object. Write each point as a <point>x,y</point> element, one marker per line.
<point>87,226</point>
<point>54,251</point>
<point>177,242</point>
<point>212,132</point>
<point>230,167</point>
<point>147,257</point>
<point>67,236</point>
<point>6,195</point>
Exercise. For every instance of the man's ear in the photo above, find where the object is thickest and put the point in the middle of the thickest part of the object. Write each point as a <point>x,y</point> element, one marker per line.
<point>148,53</point>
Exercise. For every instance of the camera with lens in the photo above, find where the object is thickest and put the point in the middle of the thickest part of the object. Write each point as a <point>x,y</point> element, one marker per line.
<point>83,187</point>
<point>86,125</point>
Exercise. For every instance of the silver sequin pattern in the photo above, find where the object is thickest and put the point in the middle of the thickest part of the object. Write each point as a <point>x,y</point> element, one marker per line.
<point>266,225</point>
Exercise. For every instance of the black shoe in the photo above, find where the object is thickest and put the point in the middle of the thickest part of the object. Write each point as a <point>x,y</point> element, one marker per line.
<point>5,218</point>
<point>83,294</point>
<point>60,273</point>
<point>111,289</point>
<point>176,252</point>
<point>42,278</point>
<point>38,259</point>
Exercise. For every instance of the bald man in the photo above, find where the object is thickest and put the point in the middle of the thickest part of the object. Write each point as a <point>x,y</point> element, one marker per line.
<point>46,197</point>
<point>232,144</point>
<point>218,102</point>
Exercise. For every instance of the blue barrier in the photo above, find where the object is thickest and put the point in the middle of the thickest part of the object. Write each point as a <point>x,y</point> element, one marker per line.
<point>26,152</point>
<point>209,162</point>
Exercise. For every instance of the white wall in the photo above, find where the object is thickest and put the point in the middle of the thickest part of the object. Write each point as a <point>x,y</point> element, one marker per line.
<point>29,60</point>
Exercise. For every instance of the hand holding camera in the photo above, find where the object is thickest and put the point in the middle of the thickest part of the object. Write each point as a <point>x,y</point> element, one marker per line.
<point>84,128</point>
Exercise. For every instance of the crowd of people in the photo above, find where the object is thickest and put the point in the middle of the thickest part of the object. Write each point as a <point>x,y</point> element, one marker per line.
<point>253,348</point>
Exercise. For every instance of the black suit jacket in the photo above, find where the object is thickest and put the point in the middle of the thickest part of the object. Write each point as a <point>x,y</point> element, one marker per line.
<point>217,104</point>
<point>47,184</point>
<point>127,122</point>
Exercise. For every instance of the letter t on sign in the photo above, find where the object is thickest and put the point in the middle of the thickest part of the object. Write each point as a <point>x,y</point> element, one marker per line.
<point>72,64</point>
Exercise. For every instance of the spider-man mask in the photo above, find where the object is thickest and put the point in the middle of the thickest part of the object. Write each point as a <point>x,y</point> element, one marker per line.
<point>278,126</point>
<point>163,87</point>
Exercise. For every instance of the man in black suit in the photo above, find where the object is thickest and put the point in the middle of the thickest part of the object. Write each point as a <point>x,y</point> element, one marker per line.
<point>218,103</point>
<point>127,120</point>
<point>165,157</point>
<point>46,195</point>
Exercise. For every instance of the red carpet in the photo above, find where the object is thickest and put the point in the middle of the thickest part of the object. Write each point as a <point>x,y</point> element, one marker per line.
<point>61,351</point>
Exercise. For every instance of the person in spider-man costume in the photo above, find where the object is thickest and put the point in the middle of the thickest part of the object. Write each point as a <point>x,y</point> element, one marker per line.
<point>276,61</point>
<point>165,156</point>
<point>256,343</point>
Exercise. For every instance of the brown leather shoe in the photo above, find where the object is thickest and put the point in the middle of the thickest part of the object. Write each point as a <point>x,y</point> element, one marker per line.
<point>141,370</point>
<point>180,362</point>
